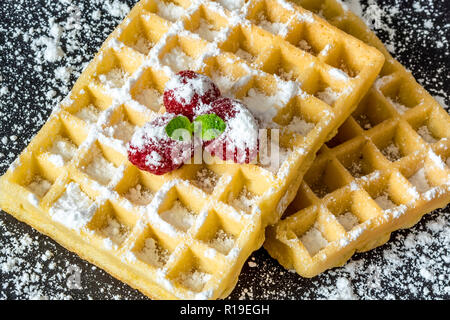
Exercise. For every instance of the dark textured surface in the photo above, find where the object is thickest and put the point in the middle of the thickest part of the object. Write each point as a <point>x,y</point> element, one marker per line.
<point>27,103</point>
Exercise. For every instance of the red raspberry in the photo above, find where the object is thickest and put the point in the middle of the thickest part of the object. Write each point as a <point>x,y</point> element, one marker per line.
<point>239,141</point>
<point>187,91</point>
<point>152,150</point>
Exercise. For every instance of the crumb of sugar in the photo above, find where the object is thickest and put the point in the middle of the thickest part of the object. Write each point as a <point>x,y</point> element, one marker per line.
<point>222,242</point>
<point>313,240</point>
<point>245,55</point>
<point>232,5</point>
<point>90,114</point>
<point>276,28</point>
<point>178,60</point>
<point>385,202</point>
<point>179,216</point>
<point>123,130</point>
<point>298,125</point>
<point>100,169</point>
<point>39,186</point>
<point>194,280</point>
<point>170,11</point>
<point>328,95</point>
<point>401,109</point>
<point>143,45</point>
<point>207,31</point>
<point>224,82</point>
<point>263,107</point>
<point>153,253</point>
<point>74,209</point>
<point>139,195</point>
<point>391,152</point>
<point>304,45</point>
<point>150,98</point>
<point>348,220</point>
<point>206,179</point>
<point>426,134</point>
<point>114,79</point>
<point>64,148</point>
<point>244,201</point>
<point>420,181</point>
<point>115,231</point>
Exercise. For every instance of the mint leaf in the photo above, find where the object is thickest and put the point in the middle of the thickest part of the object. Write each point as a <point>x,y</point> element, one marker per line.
<point>211,126</point>
<point>179,128</point>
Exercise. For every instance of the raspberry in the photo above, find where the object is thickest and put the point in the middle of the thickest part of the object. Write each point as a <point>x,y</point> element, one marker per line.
<point>239,141</point>
<point>187,91</point>
<point>152,150</point>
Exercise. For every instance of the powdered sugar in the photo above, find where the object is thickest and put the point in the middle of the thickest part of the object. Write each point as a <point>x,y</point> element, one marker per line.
<point>153,253</point>
<point>90,114</point>
<point>313,240</point>
<point>420,181</point>
<point>179,216</point>
<point>114,79</point>
<point>139,195</point>
<point>169,10</point>
<point>150,98</point>
<point>64,148</point>
<point>348,220</point>
<point>74,209</point>
<point>178,60</point>
<point>298,125</point>
<point>100,169</point>
<point>39,186</point>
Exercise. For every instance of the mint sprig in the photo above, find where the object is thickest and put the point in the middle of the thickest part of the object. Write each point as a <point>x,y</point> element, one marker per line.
<point>207,126</point>
<point>180,128</point>
<point>211,126</point>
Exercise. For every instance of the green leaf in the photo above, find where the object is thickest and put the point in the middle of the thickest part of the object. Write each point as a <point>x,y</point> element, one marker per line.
<point>179,128</point>
<point>211,126</point>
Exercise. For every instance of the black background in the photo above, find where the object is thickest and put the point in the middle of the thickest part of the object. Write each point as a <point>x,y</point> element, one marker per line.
<point>25,108</point>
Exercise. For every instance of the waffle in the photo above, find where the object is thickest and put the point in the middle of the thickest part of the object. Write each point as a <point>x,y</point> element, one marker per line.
<point>387,166</point>
<point>186,234</point>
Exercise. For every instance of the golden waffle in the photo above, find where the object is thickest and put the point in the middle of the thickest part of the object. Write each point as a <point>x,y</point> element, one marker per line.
<point>186,234</point>
<point>387,166</point>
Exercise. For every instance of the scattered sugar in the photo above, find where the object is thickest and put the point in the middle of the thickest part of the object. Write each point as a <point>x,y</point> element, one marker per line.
<point>348,220</point>
<point>313,240</point>
<point>179,216</point>
<point>224,82</point>
<point>90,114</point>
<point>206,179</point>
<point>426,134</point>
<point>64,148</point>
<point>207,31</point>
<point>123,130</point>
<point>304,45</point>
<point>100,169</point>
<point>139,195</point>
<point>115,231</point>
<point>39,186</point>
<point>298,125</point>
<point>143,45</point>
<point>391,152</point>
<point>74,208</point>
<point>245,55</point>
<point>170,11</point>
<point>328,95</point>
<point>153,253</point>
<point>401,109</point>
<point>420,181</point>
<point>114,79</point>
<point>194,280</point>
<point>385,202</point>
<point>178,60</point>
<point>245,200</point>
<point>232,5</point>
<point>263,107</point>
<point>222,242</point>
<point>150,98</point>
<point>276,28</point>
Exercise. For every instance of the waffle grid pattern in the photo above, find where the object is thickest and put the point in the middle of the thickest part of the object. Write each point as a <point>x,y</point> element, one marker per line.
<point>387,166</point>
<point>198,231</point>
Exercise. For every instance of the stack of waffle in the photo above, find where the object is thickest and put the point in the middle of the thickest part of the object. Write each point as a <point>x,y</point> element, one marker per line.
<point>187,234</point>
